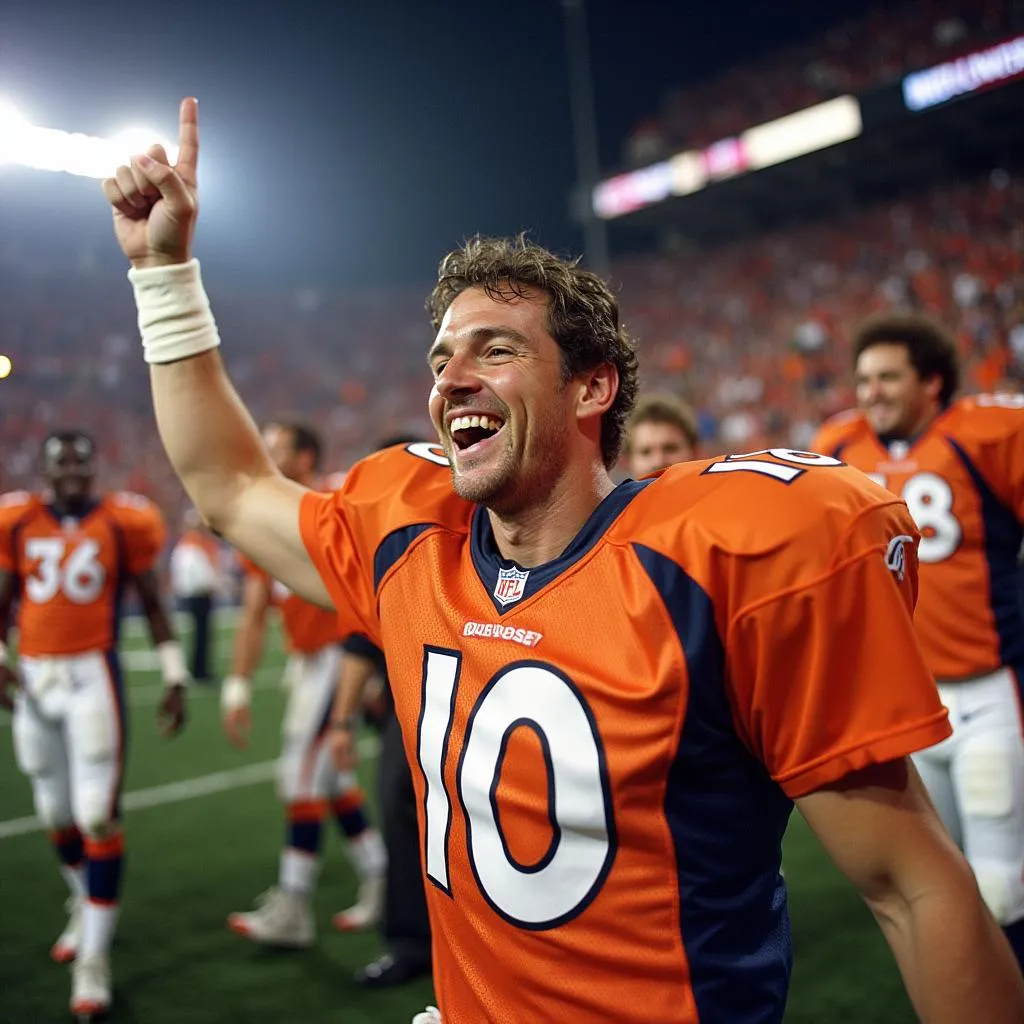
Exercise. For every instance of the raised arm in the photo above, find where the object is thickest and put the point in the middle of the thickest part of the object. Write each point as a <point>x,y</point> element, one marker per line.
<point>879,827</point>
<point>206,430</point>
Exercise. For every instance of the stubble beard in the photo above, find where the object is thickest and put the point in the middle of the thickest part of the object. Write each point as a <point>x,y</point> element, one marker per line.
<point>518,481</point>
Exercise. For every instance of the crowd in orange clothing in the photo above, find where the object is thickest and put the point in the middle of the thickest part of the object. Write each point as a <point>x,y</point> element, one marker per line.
<point>863,53</point>
<point>754,334</point>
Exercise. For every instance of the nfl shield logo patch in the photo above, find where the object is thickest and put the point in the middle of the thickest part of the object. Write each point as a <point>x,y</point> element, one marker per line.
<point>510,586</point>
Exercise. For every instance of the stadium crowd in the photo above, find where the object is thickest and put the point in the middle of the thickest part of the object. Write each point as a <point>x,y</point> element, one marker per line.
<point>854,57</point>
<point>754,334</point>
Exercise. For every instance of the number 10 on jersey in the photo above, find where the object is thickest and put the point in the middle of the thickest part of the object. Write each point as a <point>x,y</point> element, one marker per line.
<point>523,695</point>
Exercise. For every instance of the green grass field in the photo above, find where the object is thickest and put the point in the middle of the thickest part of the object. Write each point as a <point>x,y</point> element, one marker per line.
<point>192,861</point>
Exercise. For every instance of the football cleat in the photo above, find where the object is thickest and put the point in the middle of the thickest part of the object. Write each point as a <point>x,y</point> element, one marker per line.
<point>65,949</point>
<point>90,988</point>
<point>366,911</point>
<point>280,918</point>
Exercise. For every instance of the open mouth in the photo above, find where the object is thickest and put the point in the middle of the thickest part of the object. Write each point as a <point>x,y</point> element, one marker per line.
<point>469,433</point>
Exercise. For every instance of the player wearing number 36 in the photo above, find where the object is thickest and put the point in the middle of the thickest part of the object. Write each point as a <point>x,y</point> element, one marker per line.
<point>610,696</point>
<point>67,555</point>
<point>959,466</point>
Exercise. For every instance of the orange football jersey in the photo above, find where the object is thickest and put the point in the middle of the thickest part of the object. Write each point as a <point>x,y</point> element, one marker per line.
<point>307,627</point>
<point>963,481</point>
<point>606,747</point>
<point>71,571</point>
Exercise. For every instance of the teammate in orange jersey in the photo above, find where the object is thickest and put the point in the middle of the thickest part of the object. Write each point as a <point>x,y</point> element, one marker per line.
<point>307,782</point>
<point>66,555</point>
<point>660,432</point>
<point>959,465</point>
<point>610,696</point>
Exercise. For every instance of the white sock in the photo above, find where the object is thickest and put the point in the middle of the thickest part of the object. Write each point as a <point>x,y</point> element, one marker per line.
<point>75,879</point>
<point>368,853</point>
<point>99,922</point>
<point>298,871</point>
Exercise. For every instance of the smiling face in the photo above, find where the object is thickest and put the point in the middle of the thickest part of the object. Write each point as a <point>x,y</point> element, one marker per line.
<point>891,393</point>
<point>500,403</point>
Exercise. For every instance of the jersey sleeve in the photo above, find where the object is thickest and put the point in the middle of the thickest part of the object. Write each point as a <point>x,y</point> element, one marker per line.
<point>385,502</point>
<point>143,529</point>
<point>826,675</point>
<point>998,425</point>
<point>834,433</point>
<point>13,509</point>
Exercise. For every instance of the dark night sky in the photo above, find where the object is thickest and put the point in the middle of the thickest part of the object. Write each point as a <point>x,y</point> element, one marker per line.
<point>359,140</point>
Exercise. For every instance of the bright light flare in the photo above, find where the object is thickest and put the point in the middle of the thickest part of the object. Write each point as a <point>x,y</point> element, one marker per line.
<point>50,149</point>
<point>5,367</point>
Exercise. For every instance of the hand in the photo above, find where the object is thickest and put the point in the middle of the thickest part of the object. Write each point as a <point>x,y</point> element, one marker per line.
<point>9,683</point>
<point>344,747</point>
<point>237,726</point>
<point>170,716</point>
<point>155,205</point>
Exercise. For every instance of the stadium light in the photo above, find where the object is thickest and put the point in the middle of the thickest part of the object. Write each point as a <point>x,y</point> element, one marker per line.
<point>12,127</point>
<point>50,149</point>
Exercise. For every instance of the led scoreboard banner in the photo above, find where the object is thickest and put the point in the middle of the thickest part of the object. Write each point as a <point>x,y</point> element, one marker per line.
<point>808,131</point>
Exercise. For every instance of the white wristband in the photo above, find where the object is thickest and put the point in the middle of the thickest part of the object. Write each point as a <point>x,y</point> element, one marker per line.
<point>175,319</point>
<point>235,694</point>
<point>172,663</point>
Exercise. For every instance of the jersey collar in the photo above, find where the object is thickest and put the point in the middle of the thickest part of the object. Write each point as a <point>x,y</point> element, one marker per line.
<point>491,567</point>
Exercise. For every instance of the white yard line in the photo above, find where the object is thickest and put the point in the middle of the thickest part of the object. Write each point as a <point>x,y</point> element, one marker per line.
<point>186,789</point>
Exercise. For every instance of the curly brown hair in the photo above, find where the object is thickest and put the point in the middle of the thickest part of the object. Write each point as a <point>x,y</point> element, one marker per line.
<point>930,347</point>
<point>583,313</point>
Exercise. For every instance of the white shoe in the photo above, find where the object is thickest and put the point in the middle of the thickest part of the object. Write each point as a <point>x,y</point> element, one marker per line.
<point>281,918</point>
<point>65,949</point>
<point>90,987</point>
<point>431,1015</point>
<point>366,911</point>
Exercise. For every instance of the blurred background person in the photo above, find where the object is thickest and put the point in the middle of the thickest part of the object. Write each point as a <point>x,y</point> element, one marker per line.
<point>196,580</point>
<point>404,925</point>
<point>661,431</point>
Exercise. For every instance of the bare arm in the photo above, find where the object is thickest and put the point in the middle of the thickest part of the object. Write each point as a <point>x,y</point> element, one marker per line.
<point>881,830</point>
<point>8,678</point>
<point>8,588</point>
<point>217,451</point>
<point>171,712</point>
<point>356,671</point>
<point>148,586</point>
<point>252,626</point>
<point>207,432</point>
<point>236,693</point>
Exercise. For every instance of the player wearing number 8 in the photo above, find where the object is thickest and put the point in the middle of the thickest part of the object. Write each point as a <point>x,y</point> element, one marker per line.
<point>69,554</point>
<point>602,811</point>
<point>959,466</point>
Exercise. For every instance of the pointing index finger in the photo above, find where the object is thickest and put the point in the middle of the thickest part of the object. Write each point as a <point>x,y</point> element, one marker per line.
<point>188,140</point>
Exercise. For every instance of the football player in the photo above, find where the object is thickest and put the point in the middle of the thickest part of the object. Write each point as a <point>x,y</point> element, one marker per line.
<point>959,466</point>
<point>661,431</point>
<point>308,784</point>
<point>67,555</point>
<point>611,696</point>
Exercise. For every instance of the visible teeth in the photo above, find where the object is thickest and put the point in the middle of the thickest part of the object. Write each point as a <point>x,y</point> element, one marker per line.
<point>468,422</point>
